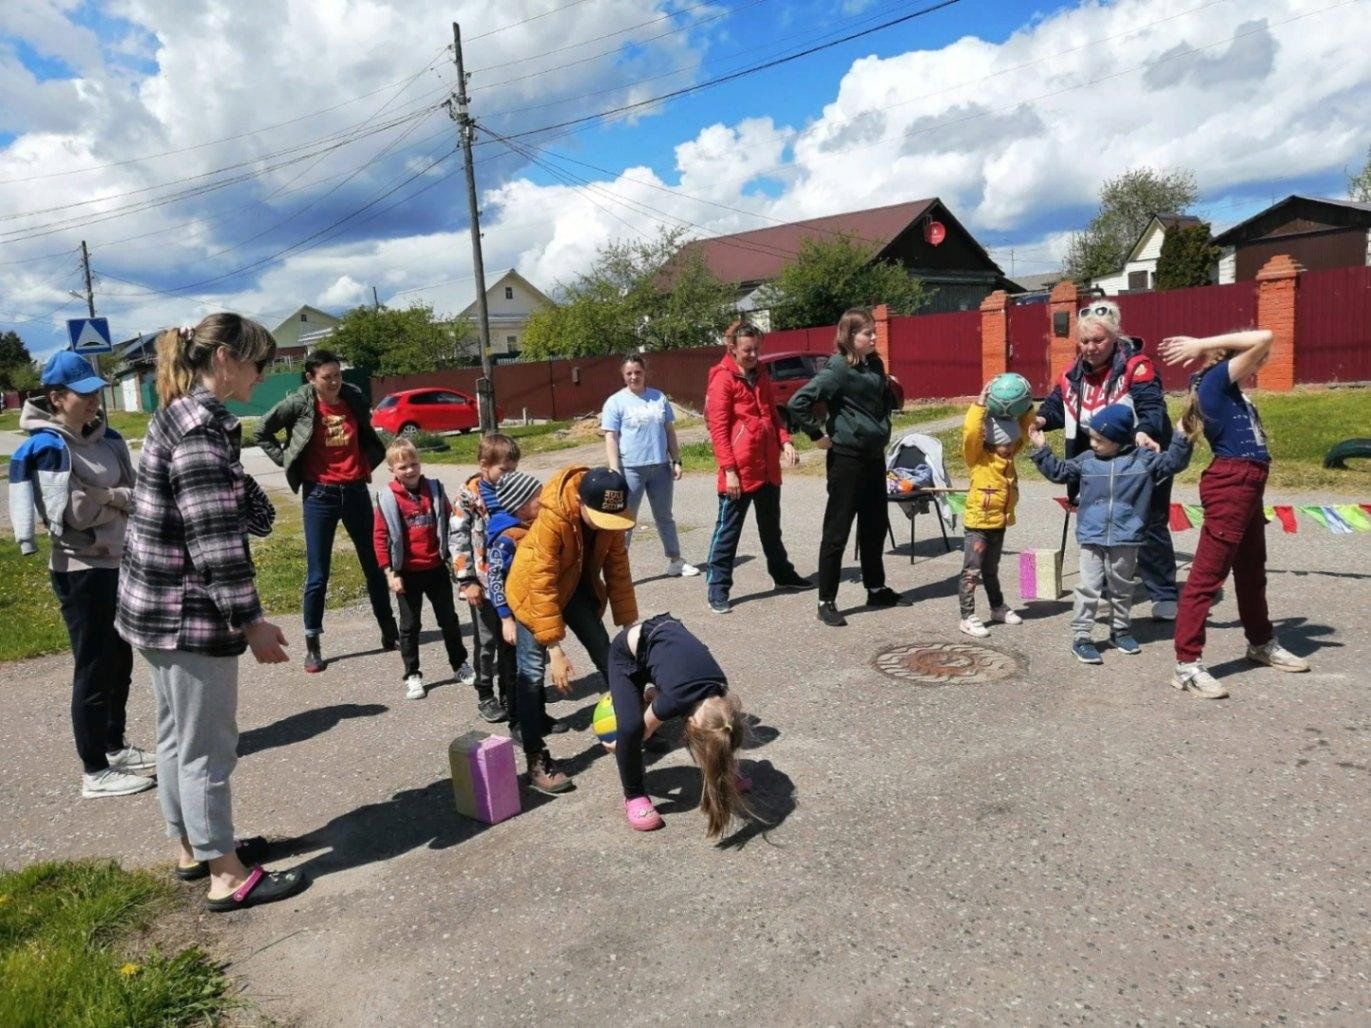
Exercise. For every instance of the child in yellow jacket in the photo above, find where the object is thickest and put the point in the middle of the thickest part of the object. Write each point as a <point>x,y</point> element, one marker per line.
<point>989,445</point>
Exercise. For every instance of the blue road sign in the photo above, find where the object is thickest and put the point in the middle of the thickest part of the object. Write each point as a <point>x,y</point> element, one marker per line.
<point>89,335</point>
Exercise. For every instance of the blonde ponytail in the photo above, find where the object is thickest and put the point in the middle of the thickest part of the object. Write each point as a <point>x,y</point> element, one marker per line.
<point>184,353</point>
<point>714,733</point>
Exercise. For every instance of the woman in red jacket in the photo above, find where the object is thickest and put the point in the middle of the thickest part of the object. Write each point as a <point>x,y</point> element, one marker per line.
<point>750,445</point>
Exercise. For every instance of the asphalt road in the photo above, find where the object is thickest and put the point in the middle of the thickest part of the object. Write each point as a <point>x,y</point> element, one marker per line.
<point>1064,844</point>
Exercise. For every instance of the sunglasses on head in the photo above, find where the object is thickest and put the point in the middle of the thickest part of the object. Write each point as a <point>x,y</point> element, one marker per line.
<point>1098,311</point>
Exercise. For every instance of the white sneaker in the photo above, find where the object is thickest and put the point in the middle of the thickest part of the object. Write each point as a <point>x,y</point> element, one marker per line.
<point>1195,678</point>
<point>131,758</point>
<point>414,687</point>
<point>466,674</point>
<point>973,626</point>
<point>1164,610</point>
<point>1005,615</point>
<point>1273,654</point>
<point>680,569</point>
<point>110,782</point>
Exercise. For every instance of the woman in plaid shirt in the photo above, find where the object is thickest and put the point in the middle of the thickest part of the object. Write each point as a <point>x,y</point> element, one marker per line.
<point>188,597</point>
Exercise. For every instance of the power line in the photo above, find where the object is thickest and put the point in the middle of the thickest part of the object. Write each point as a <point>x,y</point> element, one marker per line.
<point>404,83</point>
<point>525,21</point>
<point>741,73</point>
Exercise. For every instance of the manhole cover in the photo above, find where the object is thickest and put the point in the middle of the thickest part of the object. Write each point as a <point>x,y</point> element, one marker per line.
<point>946,663</point>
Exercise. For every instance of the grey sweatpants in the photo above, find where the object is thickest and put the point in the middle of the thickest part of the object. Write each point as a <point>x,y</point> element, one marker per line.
<point>1106,571</point>
<point>494,658</point>
<point>197,746</point>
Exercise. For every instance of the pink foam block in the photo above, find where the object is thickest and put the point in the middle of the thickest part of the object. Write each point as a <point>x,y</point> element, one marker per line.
<point>1040,575</point>
<point>485,783</point>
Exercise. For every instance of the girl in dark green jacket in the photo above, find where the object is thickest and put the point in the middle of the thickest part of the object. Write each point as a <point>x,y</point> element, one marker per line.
<point>856,391</point>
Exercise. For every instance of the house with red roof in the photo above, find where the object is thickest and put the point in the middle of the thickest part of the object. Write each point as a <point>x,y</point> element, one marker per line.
<point>922,235</point>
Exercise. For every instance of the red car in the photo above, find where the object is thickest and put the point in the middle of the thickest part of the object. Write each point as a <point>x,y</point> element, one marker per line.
<point>427,410</point>
<point>791,369</point>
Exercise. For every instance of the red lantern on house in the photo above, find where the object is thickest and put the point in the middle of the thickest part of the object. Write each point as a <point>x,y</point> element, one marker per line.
<point>934,232</point>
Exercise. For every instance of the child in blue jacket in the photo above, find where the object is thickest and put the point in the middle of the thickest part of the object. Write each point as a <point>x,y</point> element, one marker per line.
<point>1116,480</point>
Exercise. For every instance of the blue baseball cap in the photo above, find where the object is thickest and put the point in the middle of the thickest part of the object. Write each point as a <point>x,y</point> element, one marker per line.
<point>71,371</point>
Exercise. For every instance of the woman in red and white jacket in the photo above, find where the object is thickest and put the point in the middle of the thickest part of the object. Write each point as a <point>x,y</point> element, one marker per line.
<point>750,446</point>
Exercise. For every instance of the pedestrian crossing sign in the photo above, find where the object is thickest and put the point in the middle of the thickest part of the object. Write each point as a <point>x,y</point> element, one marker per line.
<point>89,335</point>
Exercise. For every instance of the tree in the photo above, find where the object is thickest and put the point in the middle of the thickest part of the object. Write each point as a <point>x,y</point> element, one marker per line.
<point>830,275</point>
<point>1127,203</point>
<point>1187,259</point>
<point>1359,185</point>
<point>402,341</point>
<point>16,363</point>
<point>645,293</point>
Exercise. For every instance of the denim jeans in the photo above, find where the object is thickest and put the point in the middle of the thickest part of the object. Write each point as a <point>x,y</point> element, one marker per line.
<point>104,662</point>
<point>1157,559</point>
<point>324,506</point>
<point>656,480</point>
<point>583,621</point>
<point>728,529</point>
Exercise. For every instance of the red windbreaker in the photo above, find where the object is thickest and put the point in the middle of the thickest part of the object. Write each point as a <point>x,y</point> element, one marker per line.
<point>744,427</point>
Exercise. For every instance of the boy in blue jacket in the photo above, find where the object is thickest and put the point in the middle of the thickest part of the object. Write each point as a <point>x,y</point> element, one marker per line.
<point>1116,480</point>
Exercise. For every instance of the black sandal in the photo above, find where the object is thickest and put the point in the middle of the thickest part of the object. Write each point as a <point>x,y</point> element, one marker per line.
<point>250,851</point>
<point>260,887</point>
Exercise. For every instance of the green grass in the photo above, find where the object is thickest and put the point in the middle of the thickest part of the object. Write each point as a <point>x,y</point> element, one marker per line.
<point>73,952</point>
<point>532,439</point>
<point>31,622</point>
<point>129,424</point>
<point>700,456</point>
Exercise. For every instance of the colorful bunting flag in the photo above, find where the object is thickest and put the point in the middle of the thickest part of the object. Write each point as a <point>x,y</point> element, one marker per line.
<point>1286,516</point>
<point>1355,517</point>
<point>1316,513</point>
<point>1063,502</point>
<point>1195,513</point>
<point>957,501</point>
<point>1335,522</point>
<point>1179,522</point>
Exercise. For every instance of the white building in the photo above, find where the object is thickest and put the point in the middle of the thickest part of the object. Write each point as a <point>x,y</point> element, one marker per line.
<point>1139,272</point>
<point>510,301</point>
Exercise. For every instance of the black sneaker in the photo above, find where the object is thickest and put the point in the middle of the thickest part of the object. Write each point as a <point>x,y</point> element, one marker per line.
<point>831,616</point>
<point>885,597</point>
<point>794,582</point>
<point>490,709</point>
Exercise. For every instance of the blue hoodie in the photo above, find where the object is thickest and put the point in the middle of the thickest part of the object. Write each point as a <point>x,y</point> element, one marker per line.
<point>1115,491</point>
<point>501,545</point>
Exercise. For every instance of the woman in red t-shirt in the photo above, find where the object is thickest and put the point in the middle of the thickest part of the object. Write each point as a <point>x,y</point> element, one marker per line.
<point>329,454</point>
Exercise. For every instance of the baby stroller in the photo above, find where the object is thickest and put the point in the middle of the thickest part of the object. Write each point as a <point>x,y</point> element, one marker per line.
<point>909,452</point>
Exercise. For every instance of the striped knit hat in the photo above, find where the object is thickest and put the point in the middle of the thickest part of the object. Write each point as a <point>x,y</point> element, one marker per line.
<point>515,489</point>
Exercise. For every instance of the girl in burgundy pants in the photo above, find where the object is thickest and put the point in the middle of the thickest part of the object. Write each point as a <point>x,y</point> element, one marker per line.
<point>1232,490</point>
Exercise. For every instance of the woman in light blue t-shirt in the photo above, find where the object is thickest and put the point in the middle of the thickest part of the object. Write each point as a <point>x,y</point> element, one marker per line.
<point>640,442</point>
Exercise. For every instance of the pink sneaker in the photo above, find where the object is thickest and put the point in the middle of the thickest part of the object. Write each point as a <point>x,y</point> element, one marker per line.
<point>642,815</point>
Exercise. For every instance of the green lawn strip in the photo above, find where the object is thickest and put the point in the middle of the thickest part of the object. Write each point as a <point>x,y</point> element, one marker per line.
<point>75,950</point>
<point>532,439</point>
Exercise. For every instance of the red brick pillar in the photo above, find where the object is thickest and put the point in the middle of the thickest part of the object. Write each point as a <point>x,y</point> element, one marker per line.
<point>1062,305</point>
<point>882,315</point>
<point>1277,287</point>
<point>994,335</point>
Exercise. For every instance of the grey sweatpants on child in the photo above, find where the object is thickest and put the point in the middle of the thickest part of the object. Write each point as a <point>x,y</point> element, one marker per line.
<point>1106,572</point>
<point>494,657</point>
<point>197,746</point>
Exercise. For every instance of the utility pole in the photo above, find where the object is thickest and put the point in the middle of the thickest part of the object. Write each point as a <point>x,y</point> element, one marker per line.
<point>375,300</point>
<point>90,306</point>
<point>466,128</point>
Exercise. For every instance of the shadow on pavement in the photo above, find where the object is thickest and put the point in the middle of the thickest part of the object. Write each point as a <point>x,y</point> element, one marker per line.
<point>379,831</point>
<point>304,725</point>
<point>772,798</point>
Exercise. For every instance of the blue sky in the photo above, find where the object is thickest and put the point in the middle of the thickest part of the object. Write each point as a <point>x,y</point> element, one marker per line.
<point>1012,113</point>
